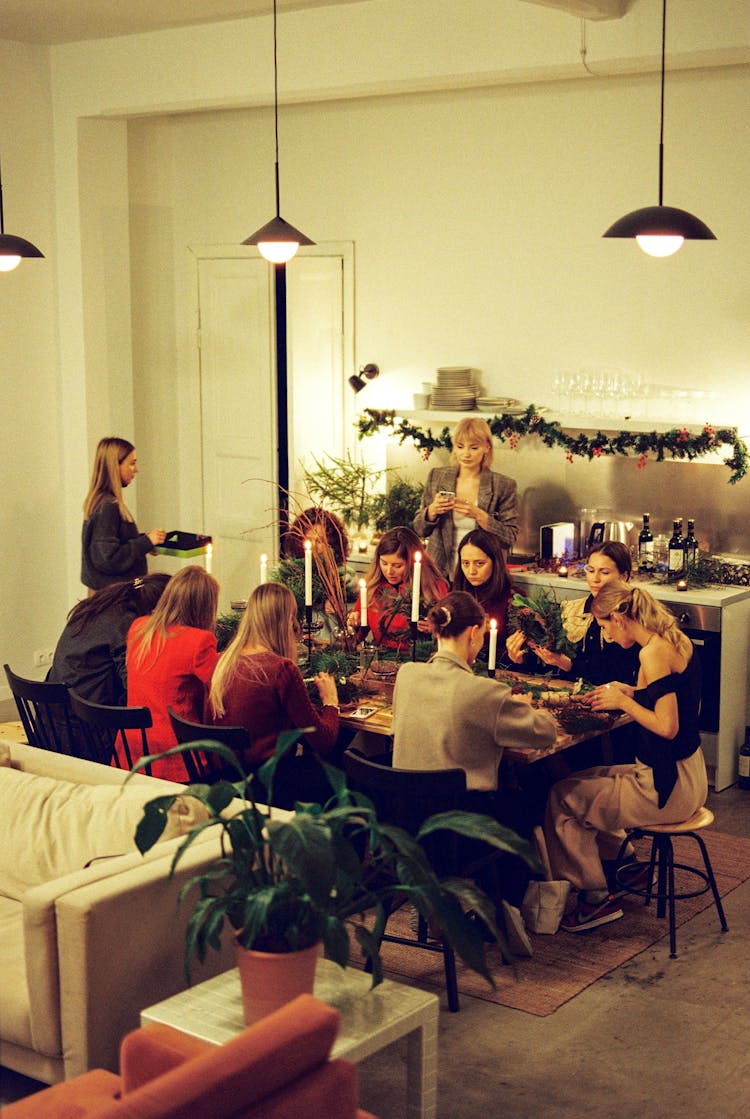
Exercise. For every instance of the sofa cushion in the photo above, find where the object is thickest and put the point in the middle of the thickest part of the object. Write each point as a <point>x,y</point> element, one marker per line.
<point>49,828</point>
<point>14,995</point>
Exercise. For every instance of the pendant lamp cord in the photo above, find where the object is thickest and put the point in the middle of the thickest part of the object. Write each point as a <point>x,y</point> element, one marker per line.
<point>2,219</point>
<point>276,109</point>
<point>661,124</point>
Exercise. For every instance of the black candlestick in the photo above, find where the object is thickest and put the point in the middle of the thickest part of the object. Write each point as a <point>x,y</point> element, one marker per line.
<point>308,627</point>
<point>414,630</point>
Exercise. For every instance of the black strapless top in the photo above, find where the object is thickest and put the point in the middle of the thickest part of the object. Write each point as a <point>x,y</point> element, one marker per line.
<point>662,754</point>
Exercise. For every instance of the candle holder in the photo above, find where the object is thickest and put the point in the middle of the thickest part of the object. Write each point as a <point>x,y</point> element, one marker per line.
<point>359,639</point>
<point>414,632</point>
<point>308,631</point>
<point>682,585</point>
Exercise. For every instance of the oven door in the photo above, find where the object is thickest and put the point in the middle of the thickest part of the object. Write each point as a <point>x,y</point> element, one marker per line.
<point>709,650</point>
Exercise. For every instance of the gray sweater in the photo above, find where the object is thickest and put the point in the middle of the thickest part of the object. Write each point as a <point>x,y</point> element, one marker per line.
<point>445,717</point>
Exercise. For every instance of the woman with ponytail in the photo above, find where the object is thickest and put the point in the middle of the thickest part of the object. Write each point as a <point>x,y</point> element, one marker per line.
<point>446,717</point>
<point>588,812</point>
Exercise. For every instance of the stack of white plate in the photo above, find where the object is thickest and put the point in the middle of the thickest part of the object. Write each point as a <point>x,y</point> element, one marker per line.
<point>498,404</point>
<point>453,390</point>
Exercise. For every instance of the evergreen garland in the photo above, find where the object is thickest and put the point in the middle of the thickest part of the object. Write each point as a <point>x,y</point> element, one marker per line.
<point>677,442</point>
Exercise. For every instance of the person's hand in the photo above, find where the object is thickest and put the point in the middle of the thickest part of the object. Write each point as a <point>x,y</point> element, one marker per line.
<point>424,626</point>
<point>608,697</point>
<point>548,656</point>
<point>514,647</point>
<point>439,506</point>
<point>157,536</point>
<point>353,619</point>
<point>465,507</point>
<point>327,690</point>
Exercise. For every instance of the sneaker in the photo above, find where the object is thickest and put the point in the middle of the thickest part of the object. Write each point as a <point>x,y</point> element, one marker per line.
<point>632,878</point>
<point>590,914</point>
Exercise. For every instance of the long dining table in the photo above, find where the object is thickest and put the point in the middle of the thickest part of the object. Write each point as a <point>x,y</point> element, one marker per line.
<point>372,718</point>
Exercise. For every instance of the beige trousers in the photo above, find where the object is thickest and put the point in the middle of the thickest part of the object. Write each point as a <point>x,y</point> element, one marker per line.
<point>588,812</point>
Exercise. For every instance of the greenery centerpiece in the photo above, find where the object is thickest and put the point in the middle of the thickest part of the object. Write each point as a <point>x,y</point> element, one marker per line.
<point>286,881</point>
<point>539,617</point>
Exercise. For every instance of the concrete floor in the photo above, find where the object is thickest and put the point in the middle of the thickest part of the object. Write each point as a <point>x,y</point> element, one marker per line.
<point>654,1038</point>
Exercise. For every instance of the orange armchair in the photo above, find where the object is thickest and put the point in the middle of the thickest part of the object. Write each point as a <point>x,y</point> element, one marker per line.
<point>276,1069</point>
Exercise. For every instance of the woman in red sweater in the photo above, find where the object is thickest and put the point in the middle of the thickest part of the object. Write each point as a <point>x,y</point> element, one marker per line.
<point>171,656</point>
<point>257,685</point>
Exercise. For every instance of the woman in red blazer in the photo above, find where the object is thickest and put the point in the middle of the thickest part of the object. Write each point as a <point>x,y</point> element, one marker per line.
<point>171,656</point>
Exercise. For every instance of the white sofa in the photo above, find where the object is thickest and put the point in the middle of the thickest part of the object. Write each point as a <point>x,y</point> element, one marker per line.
<point>90,930</point>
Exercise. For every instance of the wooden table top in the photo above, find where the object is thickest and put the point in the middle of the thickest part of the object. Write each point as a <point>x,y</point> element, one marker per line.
<point>380,722</point>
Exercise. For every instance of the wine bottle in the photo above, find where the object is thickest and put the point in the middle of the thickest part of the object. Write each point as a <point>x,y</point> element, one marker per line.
<point>676,552</point>
<point>646,546</point>
<point>743,780</point>
<point>690,545</point>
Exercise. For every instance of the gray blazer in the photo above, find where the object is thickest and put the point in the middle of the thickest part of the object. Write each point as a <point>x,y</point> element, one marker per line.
<point>498,495</point>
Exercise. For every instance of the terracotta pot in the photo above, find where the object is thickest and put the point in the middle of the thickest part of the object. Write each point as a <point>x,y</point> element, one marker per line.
<point>271,979</point>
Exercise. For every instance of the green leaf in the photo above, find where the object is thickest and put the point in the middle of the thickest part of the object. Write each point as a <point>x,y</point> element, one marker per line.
<point>153,822</point>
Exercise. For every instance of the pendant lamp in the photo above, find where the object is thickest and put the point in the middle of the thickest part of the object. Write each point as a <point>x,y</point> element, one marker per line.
<point>12,249</point>
<point>277,241</point>
<point>661,230</point>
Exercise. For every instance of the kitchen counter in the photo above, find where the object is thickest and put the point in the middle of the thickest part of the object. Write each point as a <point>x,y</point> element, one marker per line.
<point>574,586</point>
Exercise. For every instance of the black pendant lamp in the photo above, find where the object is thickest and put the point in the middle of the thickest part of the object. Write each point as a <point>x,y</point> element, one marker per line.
<point>12,249</point>
<point>661,230</point>
<point>277,241</point>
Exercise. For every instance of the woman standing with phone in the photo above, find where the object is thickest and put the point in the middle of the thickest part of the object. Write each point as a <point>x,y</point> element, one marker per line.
<point>466,495</point>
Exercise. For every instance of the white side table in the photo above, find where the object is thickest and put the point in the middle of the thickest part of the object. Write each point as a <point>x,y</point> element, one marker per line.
<point>370,1020</point>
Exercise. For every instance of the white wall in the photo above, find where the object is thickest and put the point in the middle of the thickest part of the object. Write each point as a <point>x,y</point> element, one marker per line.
<point>32,581</point>
<point>475,191</point>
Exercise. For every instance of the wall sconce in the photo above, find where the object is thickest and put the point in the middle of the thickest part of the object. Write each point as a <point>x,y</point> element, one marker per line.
<point>369,371</point>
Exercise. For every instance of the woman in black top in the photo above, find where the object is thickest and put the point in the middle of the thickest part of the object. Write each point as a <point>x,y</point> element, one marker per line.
<point>667,783</point>
<point>596,659</point>
<point>112,548</point>
<point>90,655</point>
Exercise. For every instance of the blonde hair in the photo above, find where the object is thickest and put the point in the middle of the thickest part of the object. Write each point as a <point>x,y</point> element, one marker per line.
<point>479,430</point>
<point>269,621</point>
<point>642,607</point>
<point>111,452</point>
<point>190,598</point>
<point>404,542</point>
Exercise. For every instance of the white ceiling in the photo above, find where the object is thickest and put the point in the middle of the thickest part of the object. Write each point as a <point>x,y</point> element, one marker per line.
<point>66,21</point>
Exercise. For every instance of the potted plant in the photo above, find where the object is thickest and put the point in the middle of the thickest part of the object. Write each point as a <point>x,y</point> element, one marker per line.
<point>399,505</point>
<point>347,487</point>
<point>288,882</point>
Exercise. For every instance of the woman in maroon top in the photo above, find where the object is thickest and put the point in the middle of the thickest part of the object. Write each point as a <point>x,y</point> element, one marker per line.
<point>171,656</point>
<point>257,685</point>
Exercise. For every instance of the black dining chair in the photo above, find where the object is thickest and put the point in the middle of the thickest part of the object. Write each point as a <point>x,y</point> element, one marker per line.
<point>45,712</point>
<point>406,797</point>
<point>104,729</point>
<point>204,767</point>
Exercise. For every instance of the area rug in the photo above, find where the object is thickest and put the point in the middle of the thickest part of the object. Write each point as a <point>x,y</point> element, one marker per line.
<point>564,965</point>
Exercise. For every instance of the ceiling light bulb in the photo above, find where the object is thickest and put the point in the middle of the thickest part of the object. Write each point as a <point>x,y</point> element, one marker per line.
<point>660,244</point>
<point>8,263</point>
<point>278,252</point>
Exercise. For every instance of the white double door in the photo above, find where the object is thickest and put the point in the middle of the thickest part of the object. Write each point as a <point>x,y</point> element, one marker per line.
<point>239,439</point>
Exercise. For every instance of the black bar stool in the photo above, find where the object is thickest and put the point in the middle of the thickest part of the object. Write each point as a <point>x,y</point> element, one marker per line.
<point>662,862</point>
